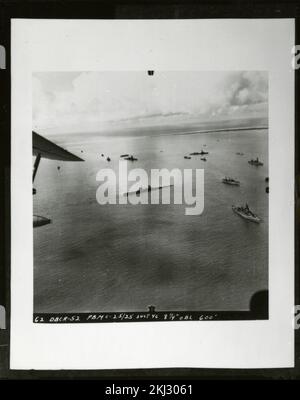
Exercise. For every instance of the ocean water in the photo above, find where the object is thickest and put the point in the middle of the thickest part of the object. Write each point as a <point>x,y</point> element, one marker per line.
<point>95,258</point>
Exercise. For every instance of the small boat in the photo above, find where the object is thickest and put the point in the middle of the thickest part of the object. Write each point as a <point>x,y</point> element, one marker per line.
<point>256,162</point>
<point>203,159</point>
<point>267,189</point>
<point>267,179</point>
<point>187,157</point>
<point>58,167</point>
<point>108,159</point>
<point>124,155</point>
<point>230,181</point>
<point>239,154</point>
<point>246,213</point>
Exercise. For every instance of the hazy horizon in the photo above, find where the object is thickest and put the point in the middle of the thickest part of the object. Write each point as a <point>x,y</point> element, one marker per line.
<point>160,129</point>
<point>73,102</point>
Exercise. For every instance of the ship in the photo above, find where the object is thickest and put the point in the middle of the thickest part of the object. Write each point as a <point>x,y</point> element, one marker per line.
<point>256,162</point>
<point>148,188</point>
<point>197,153</point>
<point>230,181</point>
<point>131,158</point>
<point>187,157</point>
<point>246,213</point>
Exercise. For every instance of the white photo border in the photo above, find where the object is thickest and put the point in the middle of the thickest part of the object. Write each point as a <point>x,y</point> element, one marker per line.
<point>169,45</point>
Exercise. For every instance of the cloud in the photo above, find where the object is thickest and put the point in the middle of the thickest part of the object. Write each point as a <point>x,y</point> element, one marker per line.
<point>246,88</point>
<point>95,99</point>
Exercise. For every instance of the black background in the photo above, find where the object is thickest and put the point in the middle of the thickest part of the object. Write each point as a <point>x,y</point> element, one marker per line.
<point>113,9</point>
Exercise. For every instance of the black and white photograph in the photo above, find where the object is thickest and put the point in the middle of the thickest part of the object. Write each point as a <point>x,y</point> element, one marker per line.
<point>150,191</point>
<point>152,194</point>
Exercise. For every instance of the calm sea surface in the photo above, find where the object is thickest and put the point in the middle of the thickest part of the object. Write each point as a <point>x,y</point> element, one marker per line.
<point>125,257</point>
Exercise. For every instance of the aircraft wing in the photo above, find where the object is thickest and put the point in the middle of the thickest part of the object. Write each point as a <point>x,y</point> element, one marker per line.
<point>48,149</point>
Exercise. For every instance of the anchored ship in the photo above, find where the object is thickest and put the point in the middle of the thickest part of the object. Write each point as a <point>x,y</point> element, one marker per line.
<point>130,158</point>
<point>256,162</point>
<point>246,213</point>
<point>230,181</point>
<point>197,153</point>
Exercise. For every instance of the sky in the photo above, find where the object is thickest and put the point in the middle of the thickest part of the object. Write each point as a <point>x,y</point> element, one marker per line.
<point>68,102</point>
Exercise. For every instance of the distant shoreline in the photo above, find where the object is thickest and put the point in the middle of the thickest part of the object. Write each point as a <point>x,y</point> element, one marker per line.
<point>251,128</point>
<point>58,137</point>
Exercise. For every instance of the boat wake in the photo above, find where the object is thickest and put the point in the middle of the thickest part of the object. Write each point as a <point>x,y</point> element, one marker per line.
<point>146,189</point>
